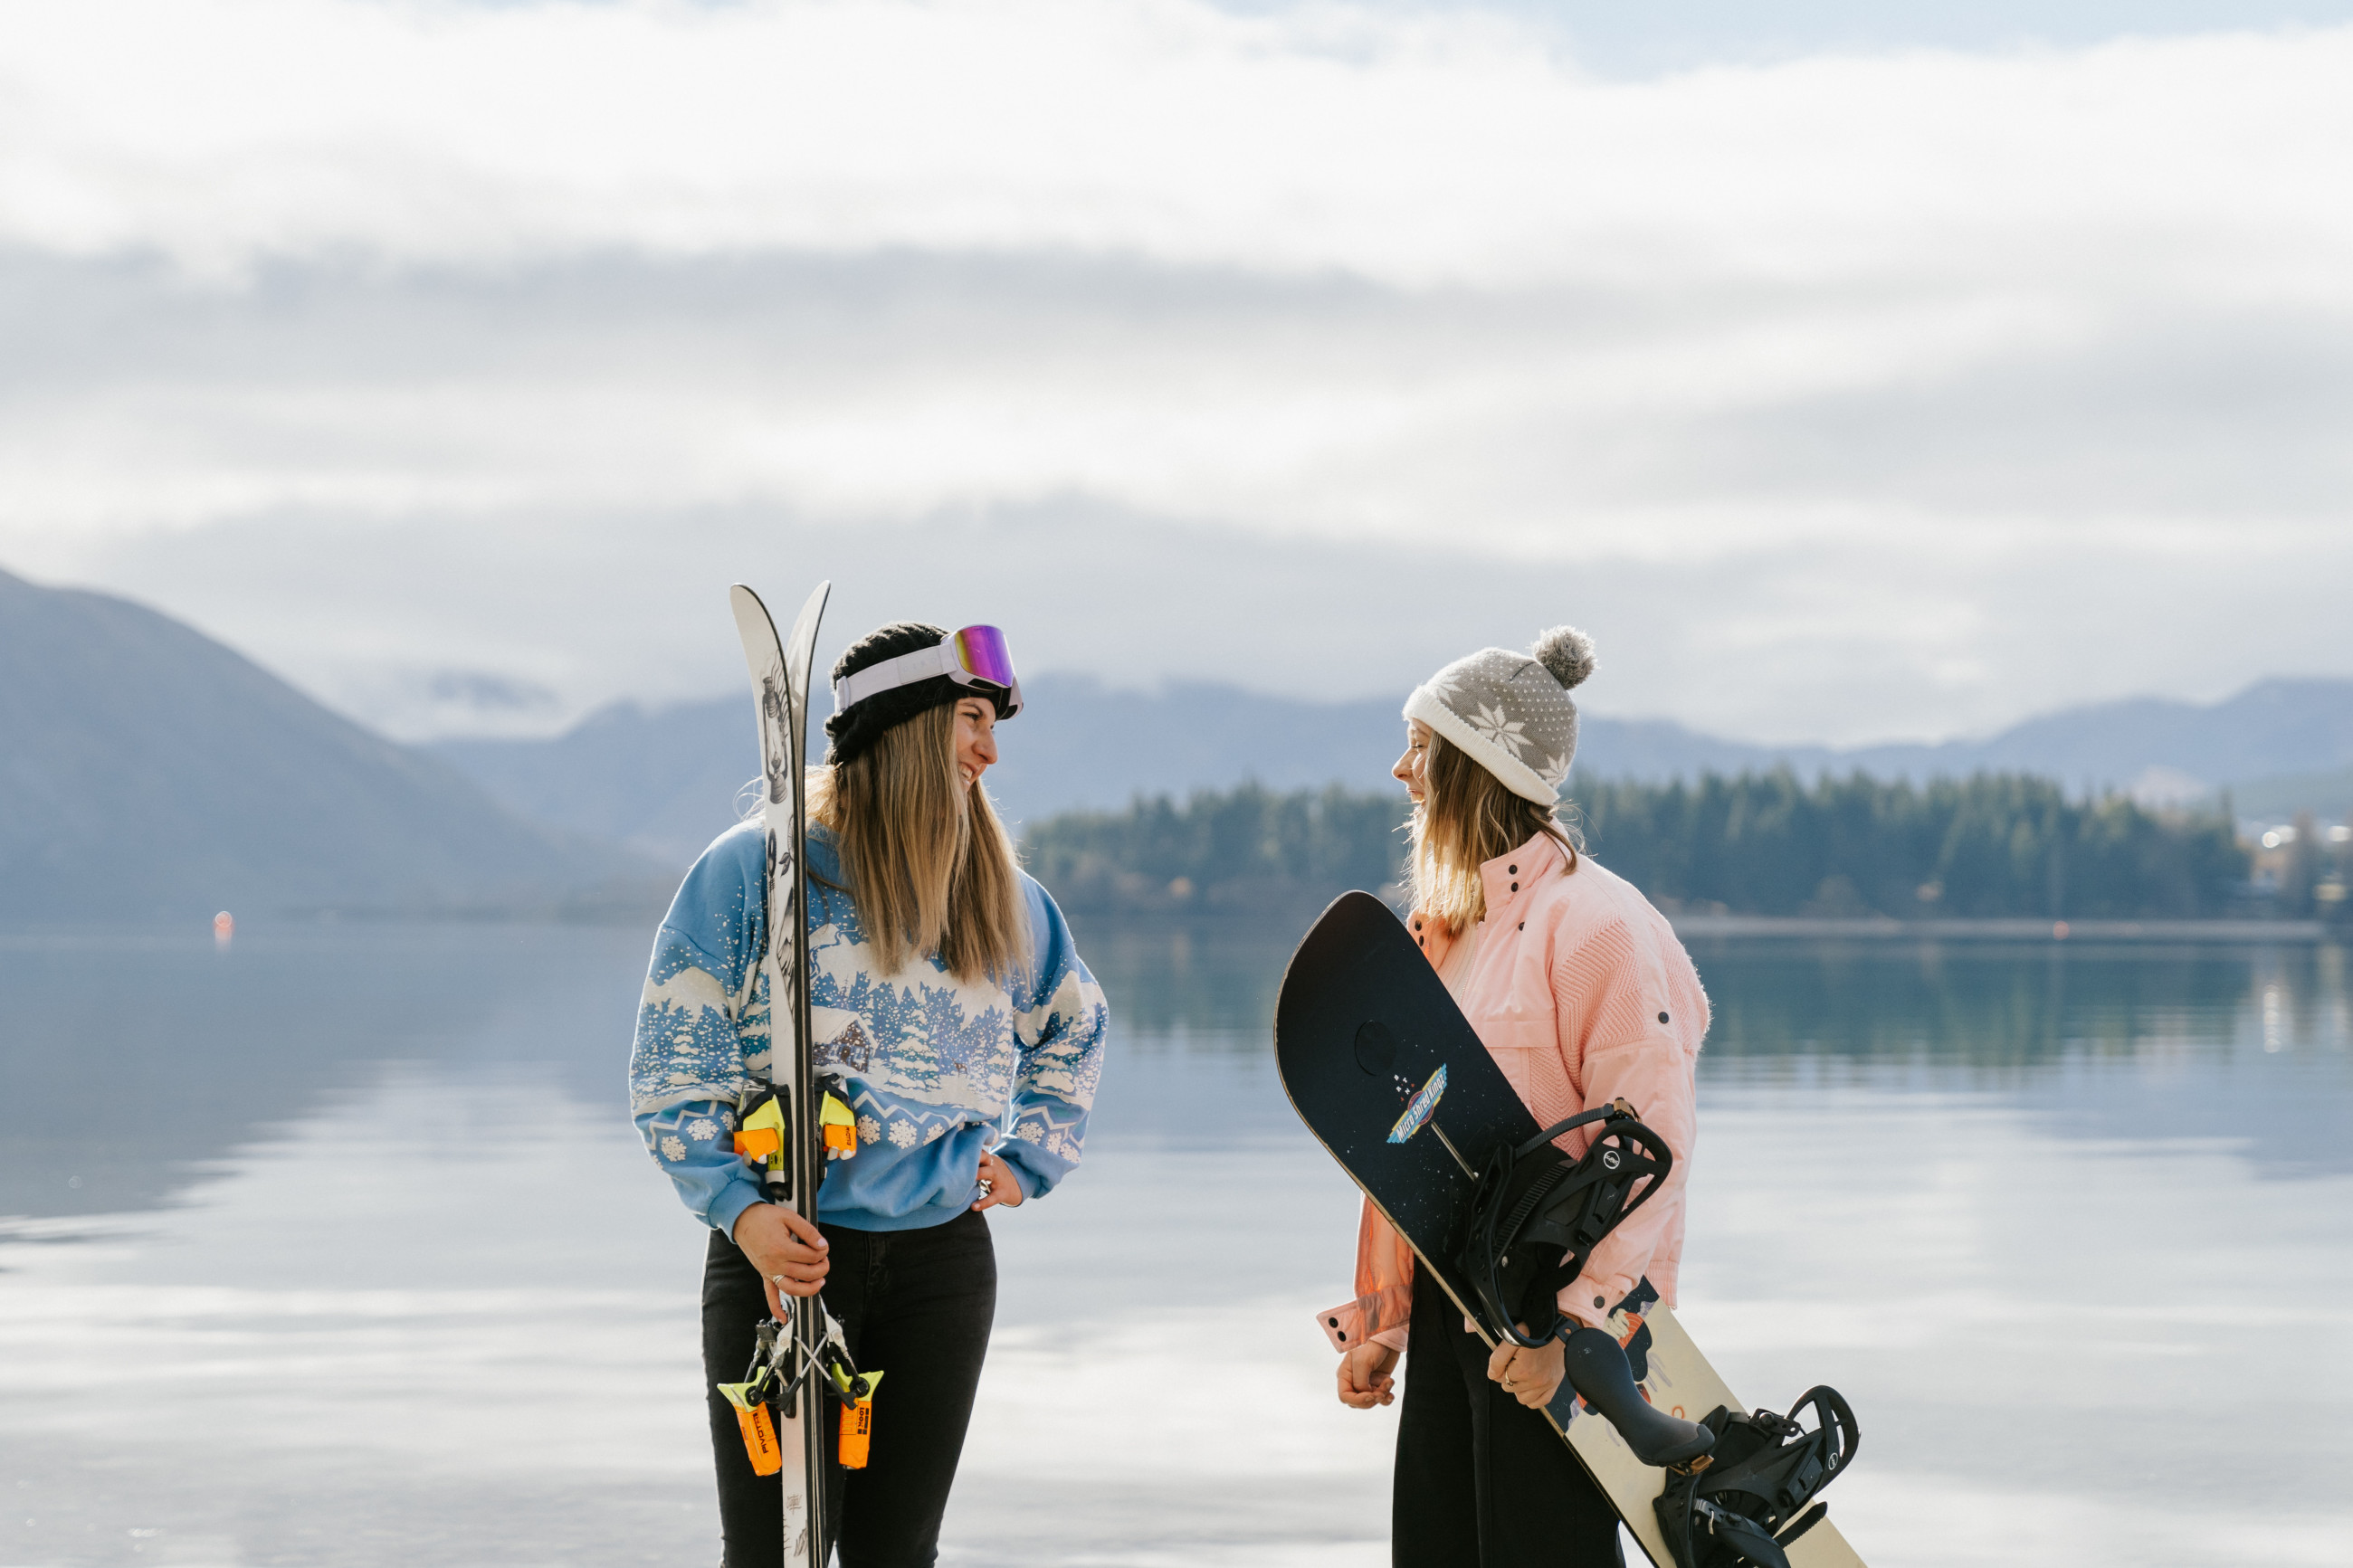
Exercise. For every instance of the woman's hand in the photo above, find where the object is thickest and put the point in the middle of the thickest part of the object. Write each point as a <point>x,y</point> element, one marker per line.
<point>1530,1376</point>
<point>998,1183</point>
<point>1365,1379</point>
<point>789,1251</point>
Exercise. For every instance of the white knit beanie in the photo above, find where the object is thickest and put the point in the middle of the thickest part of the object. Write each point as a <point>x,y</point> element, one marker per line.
<point>1511,711</point>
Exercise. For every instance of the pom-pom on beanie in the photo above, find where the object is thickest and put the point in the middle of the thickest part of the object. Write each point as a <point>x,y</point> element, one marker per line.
<point>859,725</point>
<point>1511,711</point>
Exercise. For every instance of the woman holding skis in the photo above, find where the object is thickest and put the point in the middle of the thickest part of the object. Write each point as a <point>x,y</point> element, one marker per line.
<point>952,1015</point>
<point>1579,990</point>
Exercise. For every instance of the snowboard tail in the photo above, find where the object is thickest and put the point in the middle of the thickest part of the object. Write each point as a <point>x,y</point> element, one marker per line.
<point>1398,1088</point>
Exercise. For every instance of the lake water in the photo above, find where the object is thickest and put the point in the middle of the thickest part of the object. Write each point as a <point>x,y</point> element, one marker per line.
<point>336,1248</point>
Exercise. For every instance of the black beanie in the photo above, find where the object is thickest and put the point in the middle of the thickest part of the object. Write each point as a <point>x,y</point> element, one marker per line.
<point>857,727</point>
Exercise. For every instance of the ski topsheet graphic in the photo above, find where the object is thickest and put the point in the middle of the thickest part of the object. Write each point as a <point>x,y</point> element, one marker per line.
<point>1397,1085</point>
<point>780,683</point>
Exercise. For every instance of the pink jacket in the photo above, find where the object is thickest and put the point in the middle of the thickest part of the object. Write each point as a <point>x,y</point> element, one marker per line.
<point>1579,990</point>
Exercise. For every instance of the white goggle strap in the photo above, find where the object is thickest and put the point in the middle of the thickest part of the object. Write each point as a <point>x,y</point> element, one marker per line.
<point>904,671</point>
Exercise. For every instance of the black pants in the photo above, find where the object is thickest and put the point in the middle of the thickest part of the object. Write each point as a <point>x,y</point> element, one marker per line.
<point>1480,1478</point>
<point>916,1304</point>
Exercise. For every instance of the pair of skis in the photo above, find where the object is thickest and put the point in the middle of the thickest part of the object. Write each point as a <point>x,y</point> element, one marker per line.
<point>802,1361</point>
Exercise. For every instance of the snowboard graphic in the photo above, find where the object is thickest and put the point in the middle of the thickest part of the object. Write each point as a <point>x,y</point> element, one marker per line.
<point>1390,1077</point>
<point>780,680</point>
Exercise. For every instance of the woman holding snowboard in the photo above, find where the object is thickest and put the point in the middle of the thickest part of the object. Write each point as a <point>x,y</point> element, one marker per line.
<point>1579,990</point>
<point>952,1015</point>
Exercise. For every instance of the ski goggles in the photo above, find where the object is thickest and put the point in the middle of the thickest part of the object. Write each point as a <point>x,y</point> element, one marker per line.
<point>976,656</point>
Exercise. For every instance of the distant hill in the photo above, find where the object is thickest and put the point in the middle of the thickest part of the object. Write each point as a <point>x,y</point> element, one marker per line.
<point>147,772</point>
<point>2327,796</point>
<point>2157,745</point>
<point>664,780</point>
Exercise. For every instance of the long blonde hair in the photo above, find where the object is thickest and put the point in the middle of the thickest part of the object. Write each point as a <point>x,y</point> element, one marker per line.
<point>929,865</point>
<point>1467,819</point>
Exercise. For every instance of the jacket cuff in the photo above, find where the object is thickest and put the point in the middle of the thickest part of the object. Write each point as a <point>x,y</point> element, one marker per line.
<point>1345,1327</point>
<point>1591,1301</point>
<point>1030,1182</point>
<point>729,1207</point>
<point>1036,1168</point>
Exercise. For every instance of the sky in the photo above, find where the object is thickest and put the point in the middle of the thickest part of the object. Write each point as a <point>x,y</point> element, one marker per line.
<point>1852,373</point>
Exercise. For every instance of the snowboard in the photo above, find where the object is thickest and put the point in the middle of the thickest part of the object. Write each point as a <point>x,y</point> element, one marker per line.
<point>780,683</point>
<point>1391,1078</point>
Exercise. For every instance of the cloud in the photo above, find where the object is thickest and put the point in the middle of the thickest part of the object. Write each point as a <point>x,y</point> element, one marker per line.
<point>1415,148</point>
<point>1930,388</point>
<point>1562,422</point>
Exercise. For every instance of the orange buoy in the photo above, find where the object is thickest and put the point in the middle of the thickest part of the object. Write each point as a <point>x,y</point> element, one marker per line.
<point>224,928</point>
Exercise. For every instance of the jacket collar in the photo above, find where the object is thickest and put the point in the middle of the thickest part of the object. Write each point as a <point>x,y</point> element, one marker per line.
<point>1508,879</point>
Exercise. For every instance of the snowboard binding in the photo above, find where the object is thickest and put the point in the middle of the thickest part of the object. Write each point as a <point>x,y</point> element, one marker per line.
<point>1598,1371</point>
<point>1759,1494</point>
<point>1538,1215</point>
<point>1535,1218</point>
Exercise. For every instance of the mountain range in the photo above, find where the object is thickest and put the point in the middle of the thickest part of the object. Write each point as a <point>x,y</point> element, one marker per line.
<point>663,781</point>
<point>149,772</point>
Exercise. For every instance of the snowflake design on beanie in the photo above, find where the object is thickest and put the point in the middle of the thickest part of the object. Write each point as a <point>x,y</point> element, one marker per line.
<point>1496,726</point>
<point>1510,712</point>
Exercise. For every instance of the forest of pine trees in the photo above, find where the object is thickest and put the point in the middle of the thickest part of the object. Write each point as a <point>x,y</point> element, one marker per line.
<point>1770,844</point>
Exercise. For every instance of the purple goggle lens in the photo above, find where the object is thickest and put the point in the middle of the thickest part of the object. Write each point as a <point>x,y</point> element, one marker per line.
<point>981,652</point>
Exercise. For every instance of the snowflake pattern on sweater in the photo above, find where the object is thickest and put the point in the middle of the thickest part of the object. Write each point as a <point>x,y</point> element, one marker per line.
<point>934,1068</point>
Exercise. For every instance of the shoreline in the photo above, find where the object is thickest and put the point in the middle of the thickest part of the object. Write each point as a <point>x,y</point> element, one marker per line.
<point>1880,929</point>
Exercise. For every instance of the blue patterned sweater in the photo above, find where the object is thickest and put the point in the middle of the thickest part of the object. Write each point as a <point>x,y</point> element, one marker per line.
<point>935,1069</point>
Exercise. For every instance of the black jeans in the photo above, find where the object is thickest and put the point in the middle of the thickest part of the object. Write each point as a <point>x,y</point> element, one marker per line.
<point>916,1304</point>
<point>1481,1479</point>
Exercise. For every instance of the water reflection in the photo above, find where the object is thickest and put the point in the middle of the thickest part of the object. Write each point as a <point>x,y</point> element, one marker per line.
<point>133,1061</point>
<point>130,1062</point>
<point>2249,1044</point>
<point>1994,1007</point>
<point>1202,986</point>
<point>365,1266</point>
